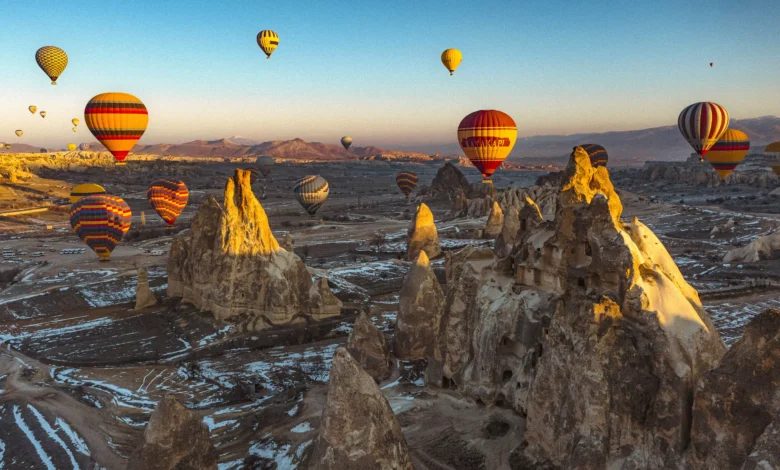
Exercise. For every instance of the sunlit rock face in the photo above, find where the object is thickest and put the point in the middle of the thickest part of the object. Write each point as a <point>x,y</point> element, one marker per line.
<point>422,235</point>
<point>764,247</point>
<point>585,325</point>
<point>369,347</point>
<point>229,263</point>
<point>420,307</point>
<point>495,222</point>
<point>358,428</point>
<point>736,413</point>
<point>174,439</point>
<point>144,297</point>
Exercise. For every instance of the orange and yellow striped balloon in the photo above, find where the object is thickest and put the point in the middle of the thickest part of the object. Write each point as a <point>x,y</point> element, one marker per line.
<point>268,41</point>
<point>487,138</point>
<point>117,120</point>
<point>451,59</point>
<point>772,152</point>
<point>168,198</point>
<point>101,222</point>
<point>84,190</point>
<point>728,152</point>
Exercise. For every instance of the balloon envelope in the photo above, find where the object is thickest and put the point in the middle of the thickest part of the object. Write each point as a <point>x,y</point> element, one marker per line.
<point>101,222</point>
<point>487,138</point>
<point>71,147</point>
<point>451,59</point>
<point>117,120</point>
<point>702,124</point>
<point>33,109</point>
<point>43,114</point>
<point>597,153</point>
<point>265,164</point>
<point>728,152</point>
<point>84,190</point>
<point>772,152</point>
<point>168,198</point>
<point>311,192</point>
<point>52,60</point>
<point>268,41</point>
<point>406,181</point>
<point>346,141</point>
<point>19,132</point>
<point>75,121</point>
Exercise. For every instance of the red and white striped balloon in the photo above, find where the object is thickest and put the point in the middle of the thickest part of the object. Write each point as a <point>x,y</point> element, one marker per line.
<point>702,124</point>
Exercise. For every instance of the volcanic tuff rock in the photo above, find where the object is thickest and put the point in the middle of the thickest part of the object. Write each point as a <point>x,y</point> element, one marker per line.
<point>358,429</point>
<point>585,325</point>
<point>449,181</point>
<point>495,222</point>
<point>369,347</point>
<point>422,235</point>
<point>288,243</point>
<point>144,297</point>
<point>765,247</point>
<point>230,264</point>
<point>420,308</point>
<point>174,439</point>
<point>702,174</point>
<point>736,413</point>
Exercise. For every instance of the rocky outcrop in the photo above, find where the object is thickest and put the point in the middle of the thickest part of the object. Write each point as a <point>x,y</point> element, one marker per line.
<point>448,183</point>
<point>144,297</point>
<point>369,347</point>
<point>736,414</point>
<point>586,326</point>
<point>288,243</point>
<point>229,263</point>
<point>726,228</point>
<point>702,174</point>
<point>764,247</point>
<point>422,235</point>
<point>494,223</point>
<point>419,312</point>
<point>174,439</point>
<point>358,429</point>
<point>545,198</point>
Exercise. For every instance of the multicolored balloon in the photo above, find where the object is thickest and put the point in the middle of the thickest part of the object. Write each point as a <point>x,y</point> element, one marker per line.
<point>702,124</point>
<point>311,192</point>
<point>406,181</point>
<point>597,153</point>
<point>168,198</point>
<point>52,60</point>
<point>451,59</point>
<point>101,222</point>
<point>346,141</point>
<point>265,163</point>
<point>84,146</point>
<point>32,109</point>
<point>268,41</point>
<point>487,138</point>
<point>84,190</point>
<point>728,152</point>
<point>117,120</point>
<point>772,152</point>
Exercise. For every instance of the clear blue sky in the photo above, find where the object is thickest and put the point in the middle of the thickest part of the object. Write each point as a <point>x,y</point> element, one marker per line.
<point>372,70</point>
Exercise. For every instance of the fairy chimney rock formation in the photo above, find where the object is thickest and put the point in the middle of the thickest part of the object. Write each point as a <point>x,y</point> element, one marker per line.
<point>288,243</point>
<point>736,412</point>
<point>448,183</point>
<point>369,347</point>
<point>174,439</point>
<point>144,297</point>
<point>229,263</point>
<point>420,308</point>
<point>358,429</point>
<point>495,222</point>
<point>422,235</point>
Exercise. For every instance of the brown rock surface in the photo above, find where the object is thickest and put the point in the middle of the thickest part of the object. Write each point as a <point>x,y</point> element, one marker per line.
<point>358,429</point>
<point>144,297</point>
<point>288,243</point>
<point>448,183</point>
<point>422,235</point>
<point>495,222</point>
<point>736,414</point>
<point>764,247</point>
<point>369,347</point>
<point>420,308</point>
<point>229,263</point>
<point>174,439</point>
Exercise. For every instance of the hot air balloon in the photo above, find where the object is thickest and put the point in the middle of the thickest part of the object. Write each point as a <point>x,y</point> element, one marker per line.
<point>268,41</point>
<point>311,191</point>
<point>406,181</point>
<point>43,114</point>
<point>84,146</point>
<point>19,132</point>
<point>265,164</point>
<point>168,198</point>
<point>346,141</point>
<point>75,129</point>
<point>254,173</point>
<point>32,109</point>
<point>52,60</point>
<point>72,147</point>
<point>487,137</point>
<point>712,63</point>
<point>772,152</point>
<point>75,121</point>
<point>43,150</point>
<point>728,152</point>
<point>597,153</point>
<point>84,190</point>
<point>117,120</point>
<point>7,146</point>
<point>702,124</point>
<point>101,221</point>
<point>451,59</point>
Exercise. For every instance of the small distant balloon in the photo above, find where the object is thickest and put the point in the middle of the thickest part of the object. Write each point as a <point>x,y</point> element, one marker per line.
<point>52,60</point>
<point>72,147</point>
<point>268,41</point>
<point>19,133</point>
<point>346,141</point>
<point>712,63</point>
<point>311,192</point>
<point>265,164</point>
<point>451,59</point>
<point>406,181</point>
<point>84,146</point>
<point>32,109</point>
<point>7,146</point>
<point>75,129</point>
<point>75,121</point>
<point>43,114</point>
<point>597,154</point>
<point>772,152</point>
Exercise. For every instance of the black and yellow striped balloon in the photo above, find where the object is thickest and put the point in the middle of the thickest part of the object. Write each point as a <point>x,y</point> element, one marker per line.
<point>268,41</point>
<point>406,181</point>
<point>311,192</point>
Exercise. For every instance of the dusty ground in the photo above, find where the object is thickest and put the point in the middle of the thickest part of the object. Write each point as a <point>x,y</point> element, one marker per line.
<point>80,370</point>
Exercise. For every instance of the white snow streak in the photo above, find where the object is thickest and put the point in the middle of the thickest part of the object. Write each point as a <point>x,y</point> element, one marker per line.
<point>31,437</point>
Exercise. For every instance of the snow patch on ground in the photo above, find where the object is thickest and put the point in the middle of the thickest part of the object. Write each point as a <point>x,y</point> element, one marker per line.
<point>45,459</point>
<point>302,427</point>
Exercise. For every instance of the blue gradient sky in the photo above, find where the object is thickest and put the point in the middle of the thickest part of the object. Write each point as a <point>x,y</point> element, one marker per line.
<point>373,71</point>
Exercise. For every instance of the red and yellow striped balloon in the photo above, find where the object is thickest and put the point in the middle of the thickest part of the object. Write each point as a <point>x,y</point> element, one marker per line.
<point>101,222</point>
<point>487,138</point>
<point>702,124</point>
<point>117,120</point>
<point>168,198</point>
<point>728,152</point>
